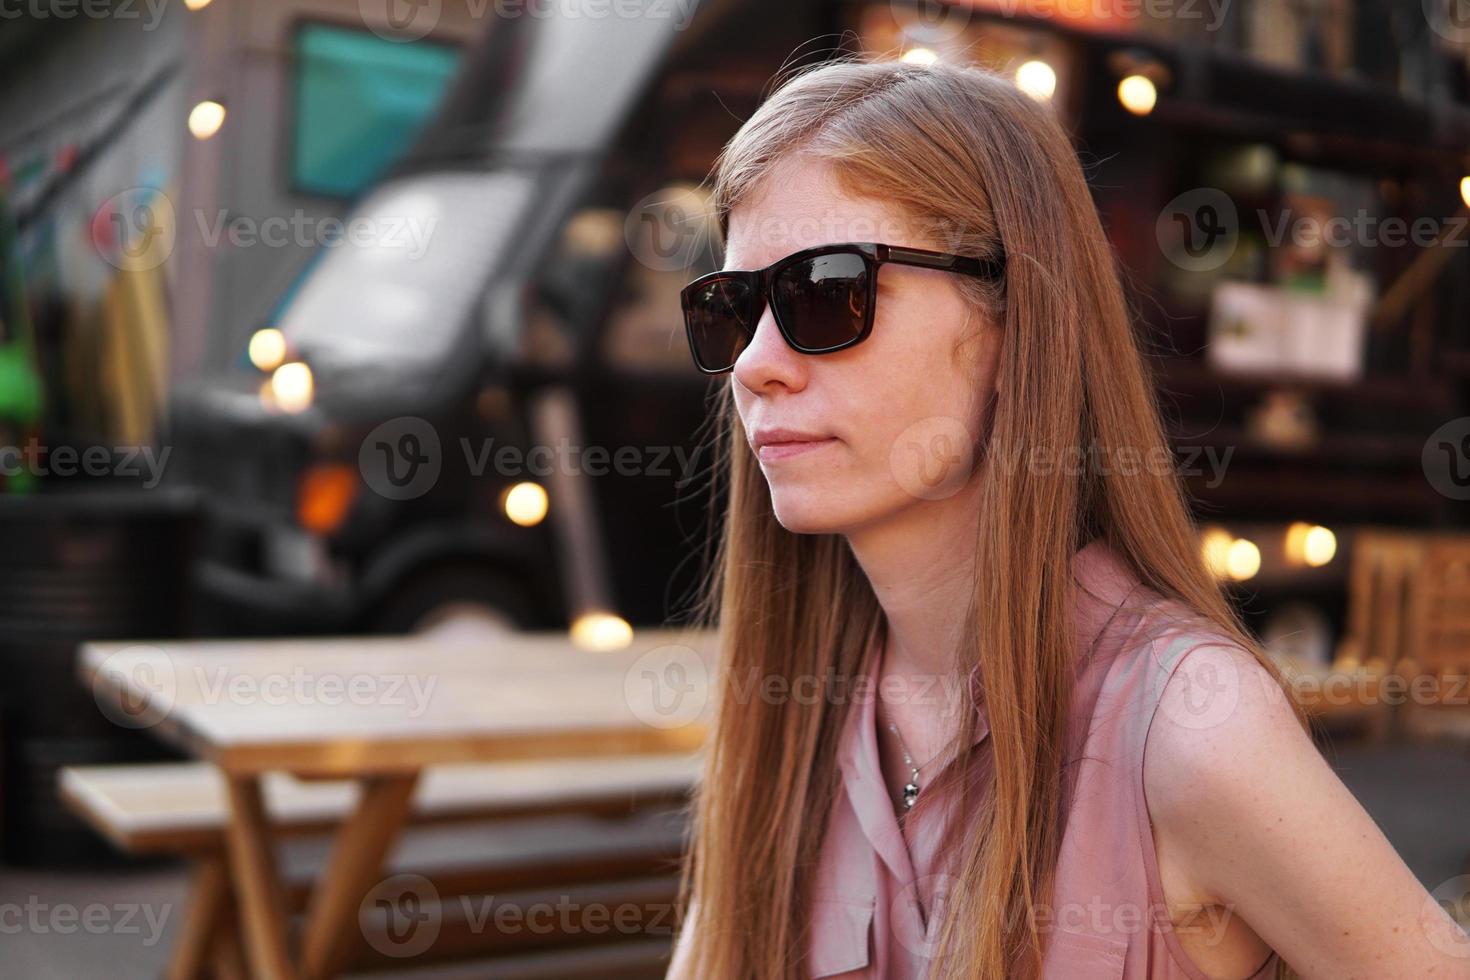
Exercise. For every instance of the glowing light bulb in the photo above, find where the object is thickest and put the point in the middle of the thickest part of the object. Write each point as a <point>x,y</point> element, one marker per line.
<point>1242,559</point>
<point>1215,547</point>
<point>267,349</point>
<point>1138,95</point>
<point>205,119</point>
<point>1037,79</point>
<point>292,387</point>
<point>601,631</point>
<point>525,503</point>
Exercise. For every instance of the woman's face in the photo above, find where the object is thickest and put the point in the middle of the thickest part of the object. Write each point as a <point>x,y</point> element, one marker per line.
<point>899,413</point>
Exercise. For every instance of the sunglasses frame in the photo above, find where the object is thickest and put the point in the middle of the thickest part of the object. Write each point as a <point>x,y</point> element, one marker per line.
<point>873,254</point>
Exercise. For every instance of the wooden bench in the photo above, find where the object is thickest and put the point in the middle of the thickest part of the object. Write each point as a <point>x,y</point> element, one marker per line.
<point>609,830</point>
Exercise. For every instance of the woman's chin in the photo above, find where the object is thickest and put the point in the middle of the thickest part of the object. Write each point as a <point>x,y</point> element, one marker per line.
<point>807,511</point>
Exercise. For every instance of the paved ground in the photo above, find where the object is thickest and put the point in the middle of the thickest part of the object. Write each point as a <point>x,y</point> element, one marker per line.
<point>119,925</point>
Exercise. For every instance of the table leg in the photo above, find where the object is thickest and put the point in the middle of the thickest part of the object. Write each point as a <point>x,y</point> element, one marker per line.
<point>261,898</point>
<point>354,868</point>
<point>209,901</point>
<point>227,957</point>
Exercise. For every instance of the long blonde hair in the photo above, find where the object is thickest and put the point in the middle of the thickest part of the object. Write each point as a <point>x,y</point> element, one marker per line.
<point>962,150</point>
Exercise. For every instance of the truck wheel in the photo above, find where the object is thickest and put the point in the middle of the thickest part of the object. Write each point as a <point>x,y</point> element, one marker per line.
<point>453,598</point>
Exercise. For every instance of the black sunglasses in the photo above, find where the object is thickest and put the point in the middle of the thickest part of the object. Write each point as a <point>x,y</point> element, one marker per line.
<point>822,297</point>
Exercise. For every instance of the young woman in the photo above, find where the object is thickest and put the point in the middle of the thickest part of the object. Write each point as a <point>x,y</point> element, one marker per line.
<point>960,595</point>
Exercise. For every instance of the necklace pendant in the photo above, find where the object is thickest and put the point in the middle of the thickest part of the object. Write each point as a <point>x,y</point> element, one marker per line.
<point>910,794</point>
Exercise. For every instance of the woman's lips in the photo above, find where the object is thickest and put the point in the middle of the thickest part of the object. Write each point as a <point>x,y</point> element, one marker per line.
<point>773,451</point>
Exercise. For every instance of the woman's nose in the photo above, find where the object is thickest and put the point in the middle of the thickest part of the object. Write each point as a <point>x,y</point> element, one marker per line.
<point>767,359</point>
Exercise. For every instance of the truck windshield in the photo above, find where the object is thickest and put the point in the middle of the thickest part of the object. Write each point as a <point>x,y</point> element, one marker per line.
<point>490,177</point>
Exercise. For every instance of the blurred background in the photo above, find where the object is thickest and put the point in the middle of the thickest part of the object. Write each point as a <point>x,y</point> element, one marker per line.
<point>350,317</point>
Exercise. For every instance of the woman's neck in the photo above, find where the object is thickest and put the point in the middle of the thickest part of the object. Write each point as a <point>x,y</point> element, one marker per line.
<point>920,563</point>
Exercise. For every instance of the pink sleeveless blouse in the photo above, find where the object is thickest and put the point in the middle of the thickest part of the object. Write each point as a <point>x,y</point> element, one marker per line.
<point>875,884</point>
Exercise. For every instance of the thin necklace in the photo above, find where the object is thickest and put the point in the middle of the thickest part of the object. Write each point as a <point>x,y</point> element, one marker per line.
<point>911,788</point>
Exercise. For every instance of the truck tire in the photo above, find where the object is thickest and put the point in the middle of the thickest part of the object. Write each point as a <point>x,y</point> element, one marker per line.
<point>427,598</point>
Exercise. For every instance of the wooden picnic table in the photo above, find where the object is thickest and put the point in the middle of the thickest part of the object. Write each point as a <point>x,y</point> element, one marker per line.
<point>379,710</point>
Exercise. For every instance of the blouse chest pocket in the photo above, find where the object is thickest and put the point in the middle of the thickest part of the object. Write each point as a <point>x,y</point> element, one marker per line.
<point>1084,956</point>
<point>840,935</point>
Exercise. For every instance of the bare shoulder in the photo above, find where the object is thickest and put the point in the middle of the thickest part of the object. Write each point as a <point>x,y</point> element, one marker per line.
<point>1258,823</point>
<point>1224,740</point>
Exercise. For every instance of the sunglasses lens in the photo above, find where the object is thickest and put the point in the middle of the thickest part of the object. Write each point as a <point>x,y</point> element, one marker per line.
<point>717,315</point>
<point>824,300</point>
